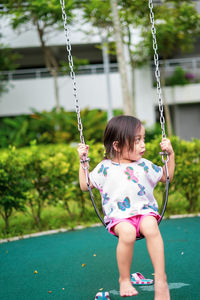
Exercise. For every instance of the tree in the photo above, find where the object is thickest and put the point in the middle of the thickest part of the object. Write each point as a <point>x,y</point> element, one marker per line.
<point>128,105</point>
<point>105,19</point>
<point>7,63</point>
<point>132,14</point>
<point>177,26</point>
<point>13,185</point>
<point>50,174</point>
<point>44,16</point>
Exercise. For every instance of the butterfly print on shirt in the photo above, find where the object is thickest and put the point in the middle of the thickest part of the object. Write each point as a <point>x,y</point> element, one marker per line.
<point>147,206</point>
<point>130,172</point>
<point>156,168</point>
<point>124,204</point>
<point>142,190</point>
<point>103,170</point>
<point>146,168</point>
<point>105,198</point>
<point>111,210</point>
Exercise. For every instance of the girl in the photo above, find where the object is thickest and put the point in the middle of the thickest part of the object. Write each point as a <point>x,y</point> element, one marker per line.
<point>126,182</point>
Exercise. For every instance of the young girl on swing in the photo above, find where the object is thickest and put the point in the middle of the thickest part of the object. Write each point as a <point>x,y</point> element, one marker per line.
<point>126,182</point>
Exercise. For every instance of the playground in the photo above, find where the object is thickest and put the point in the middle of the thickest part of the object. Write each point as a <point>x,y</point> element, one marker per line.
<point>77,264</point>
<point>39,162</point>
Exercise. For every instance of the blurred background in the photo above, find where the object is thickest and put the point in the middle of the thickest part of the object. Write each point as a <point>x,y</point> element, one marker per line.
<point>34,66</point>
<point>113,59</point>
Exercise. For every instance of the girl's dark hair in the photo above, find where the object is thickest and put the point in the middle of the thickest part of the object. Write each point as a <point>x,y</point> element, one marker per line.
<point>123,130</point>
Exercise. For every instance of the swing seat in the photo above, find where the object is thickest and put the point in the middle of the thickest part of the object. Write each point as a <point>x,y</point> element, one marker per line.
<point>138,279</point>
<point>102,296</point>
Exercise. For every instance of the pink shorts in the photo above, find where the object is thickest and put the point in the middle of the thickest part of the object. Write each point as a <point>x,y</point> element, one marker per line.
<point>134,220</point>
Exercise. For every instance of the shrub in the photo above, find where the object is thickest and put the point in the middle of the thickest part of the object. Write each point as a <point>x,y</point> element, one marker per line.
<point>13,184</point>
<point>186,177</point>
<point>56,128</point>
<point>34,177</point>
<point>178,78</point>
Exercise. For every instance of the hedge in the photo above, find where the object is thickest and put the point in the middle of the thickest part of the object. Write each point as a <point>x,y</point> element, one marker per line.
<point>34,177</point>
<point>54,128</point>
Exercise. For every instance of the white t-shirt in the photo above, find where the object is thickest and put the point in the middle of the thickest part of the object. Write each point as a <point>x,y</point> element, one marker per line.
<point>126,189</point>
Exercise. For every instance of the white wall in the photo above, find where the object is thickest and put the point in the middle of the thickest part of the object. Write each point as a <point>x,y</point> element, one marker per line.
<point>39,94</point>
<point>186,94</point>
<point>92,93</point>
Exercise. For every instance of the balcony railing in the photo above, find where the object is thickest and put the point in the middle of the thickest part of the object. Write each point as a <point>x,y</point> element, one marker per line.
<point>44,72</point>
<point>190,65</point>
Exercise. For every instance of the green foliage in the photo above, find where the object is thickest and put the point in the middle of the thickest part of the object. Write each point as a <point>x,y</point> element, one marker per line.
<point>13,183</point>
<point>37,177</point>
<point>45,127</point>
<point>44,17</point>
<point>152,133</point>
<point>186,178</point>
<point>47,12</point>
<point>65,68</point>
<point>7,63</point>
<point>98,13</point>
<point>177,26</point>
<point>52,127</point>
<point>178,78</point>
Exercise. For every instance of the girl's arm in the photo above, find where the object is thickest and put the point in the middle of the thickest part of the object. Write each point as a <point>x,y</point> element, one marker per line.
<point>83,153</point>
<point>167,146</point>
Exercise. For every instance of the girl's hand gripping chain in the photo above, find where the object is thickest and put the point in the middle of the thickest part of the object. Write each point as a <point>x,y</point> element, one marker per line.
<point>83,152</point>
<point>167,146</point>
<point>84,166</point>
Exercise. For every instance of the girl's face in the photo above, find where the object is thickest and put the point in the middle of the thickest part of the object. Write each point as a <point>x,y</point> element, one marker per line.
<point>127,155</point>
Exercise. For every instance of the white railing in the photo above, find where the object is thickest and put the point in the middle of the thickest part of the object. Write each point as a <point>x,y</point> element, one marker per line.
<point>191,65</point>
<point>44,72</point>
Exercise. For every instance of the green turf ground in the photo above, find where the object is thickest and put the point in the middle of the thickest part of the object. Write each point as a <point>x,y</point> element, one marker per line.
<point>58,259</point>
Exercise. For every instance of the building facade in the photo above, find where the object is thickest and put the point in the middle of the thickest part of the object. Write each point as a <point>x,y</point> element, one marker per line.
<point>32,87</point>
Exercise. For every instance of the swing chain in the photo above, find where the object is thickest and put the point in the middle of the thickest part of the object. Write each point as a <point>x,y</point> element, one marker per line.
<point>72,74</point>
<point>157,71</point>
<point>164,155</point>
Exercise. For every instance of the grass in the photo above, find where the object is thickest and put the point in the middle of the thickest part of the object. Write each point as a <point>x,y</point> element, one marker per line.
<point>52,217</point>
<point>55,217</point>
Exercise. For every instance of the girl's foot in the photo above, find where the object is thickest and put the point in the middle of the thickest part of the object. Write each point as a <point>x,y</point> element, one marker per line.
<point>161,290</point>
<point>126,288</point>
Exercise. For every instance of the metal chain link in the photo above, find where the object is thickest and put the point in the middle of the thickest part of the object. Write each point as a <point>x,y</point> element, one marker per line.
<point>72,74</point>
<point>73,77</point>
<point>157,71</point>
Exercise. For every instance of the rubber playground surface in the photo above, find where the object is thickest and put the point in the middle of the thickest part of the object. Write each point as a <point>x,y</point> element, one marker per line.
<point>75,265</point>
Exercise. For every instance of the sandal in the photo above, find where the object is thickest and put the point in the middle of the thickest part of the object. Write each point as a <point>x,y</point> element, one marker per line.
<point>102,296</point>
<point>138,279</point>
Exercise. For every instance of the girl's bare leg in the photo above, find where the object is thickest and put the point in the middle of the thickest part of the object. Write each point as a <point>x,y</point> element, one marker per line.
<point>149,228</point>
<point>127,236</point>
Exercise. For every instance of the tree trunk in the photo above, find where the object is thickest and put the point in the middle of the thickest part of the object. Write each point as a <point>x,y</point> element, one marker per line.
<point>66,205</point>
<point>5,215</point>
<point>51,64</point>
<point>36,213</point>
<point>166,106</point>
<point>132,64</point>
<point>106,64</point>
<point>7,224</point>
<point>56,89</point>
<point>127,101</point>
